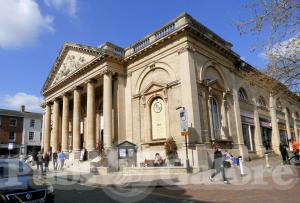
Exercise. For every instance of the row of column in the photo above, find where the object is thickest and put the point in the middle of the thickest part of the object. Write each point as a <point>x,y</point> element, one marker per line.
<point>53,140</point>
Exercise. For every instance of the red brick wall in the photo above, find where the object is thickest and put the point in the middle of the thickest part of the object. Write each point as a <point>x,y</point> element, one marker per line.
<point>5,129</point>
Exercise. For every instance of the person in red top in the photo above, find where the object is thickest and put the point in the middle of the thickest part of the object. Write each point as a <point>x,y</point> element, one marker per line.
<point>295,146</point>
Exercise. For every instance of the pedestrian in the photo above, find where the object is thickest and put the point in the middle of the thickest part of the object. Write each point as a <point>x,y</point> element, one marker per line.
<point>284,153</point>
<point>46,160</point>
<point>61,157</point>
<point>54,159</point>
<point>39,161</point>
<point>295,146</point>
<point>218,165</point>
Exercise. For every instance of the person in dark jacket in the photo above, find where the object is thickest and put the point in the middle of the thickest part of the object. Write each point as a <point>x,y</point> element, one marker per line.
<point>46,161</point>
<point>284,153</point>
<point>54,159</point>
<point>218,165</point>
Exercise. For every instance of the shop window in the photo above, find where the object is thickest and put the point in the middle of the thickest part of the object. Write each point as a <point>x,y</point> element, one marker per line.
<point>215,118</point>
<point>248,135</point>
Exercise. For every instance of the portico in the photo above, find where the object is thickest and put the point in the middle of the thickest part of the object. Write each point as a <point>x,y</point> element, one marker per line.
<point>75,108</point>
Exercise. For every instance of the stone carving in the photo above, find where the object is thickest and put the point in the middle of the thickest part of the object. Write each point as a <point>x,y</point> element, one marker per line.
<point>70,65</point>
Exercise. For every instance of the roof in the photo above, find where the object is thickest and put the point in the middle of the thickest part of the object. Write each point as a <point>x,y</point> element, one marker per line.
<point>15,113</point>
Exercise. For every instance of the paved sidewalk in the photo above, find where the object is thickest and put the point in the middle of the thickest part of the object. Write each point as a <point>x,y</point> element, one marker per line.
<point>255,172</point>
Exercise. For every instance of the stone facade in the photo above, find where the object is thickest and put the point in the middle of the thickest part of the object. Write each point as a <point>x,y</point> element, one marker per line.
<point>106,95</point>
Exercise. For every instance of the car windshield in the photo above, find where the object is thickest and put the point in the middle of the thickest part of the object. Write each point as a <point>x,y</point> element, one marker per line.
<point>13,168</point>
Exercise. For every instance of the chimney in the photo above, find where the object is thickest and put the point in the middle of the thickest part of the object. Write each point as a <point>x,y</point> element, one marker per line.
<point>22,108</point>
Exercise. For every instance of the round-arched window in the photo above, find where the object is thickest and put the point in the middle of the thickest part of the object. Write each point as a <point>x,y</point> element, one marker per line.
<point>158,119</point>
<point>215,118</point>
<point>242,94</point>
<point>262,102</point>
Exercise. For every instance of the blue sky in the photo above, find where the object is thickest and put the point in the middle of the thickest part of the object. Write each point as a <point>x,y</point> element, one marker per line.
<point>32,33</point>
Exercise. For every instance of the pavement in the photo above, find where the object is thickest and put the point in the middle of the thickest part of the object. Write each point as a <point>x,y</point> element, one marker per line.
<point>277,183</point>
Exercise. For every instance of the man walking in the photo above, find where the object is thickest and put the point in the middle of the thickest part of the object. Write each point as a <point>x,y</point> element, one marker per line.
<point>218,165</point>
<point>61,157</point>
<point>54,159</point>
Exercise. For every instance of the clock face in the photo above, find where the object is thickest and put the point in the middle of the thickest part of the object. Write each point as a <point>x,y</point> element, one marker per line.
<point>157,107</point>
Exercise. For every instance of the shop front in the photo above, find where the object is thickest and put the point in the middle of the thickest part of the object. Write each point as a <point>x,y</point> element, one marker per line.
<point>248,132</point>
<point>283,133</point>
<point>266,133</point>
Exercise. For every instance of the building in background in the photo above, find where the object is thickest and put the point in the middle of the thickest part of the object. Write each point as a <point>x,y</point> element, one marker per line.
<point>32,131</point>
<point>20,131</point>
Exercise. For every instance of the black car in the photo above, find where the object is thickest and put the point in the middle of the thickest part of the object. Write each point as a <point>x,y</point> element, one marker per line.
<point>18,184</point>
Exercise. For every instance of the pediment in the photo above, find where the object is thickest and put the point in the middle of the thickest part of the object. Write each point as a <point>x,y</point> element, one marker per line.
<point>152,87</point>
<point>71,58</point>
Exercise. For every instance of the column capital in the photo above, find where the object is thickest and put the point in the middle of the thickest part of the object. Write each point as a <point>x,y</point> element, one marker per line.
<point>79,88</point>
<point>107,71</point>
<point>91,81</point>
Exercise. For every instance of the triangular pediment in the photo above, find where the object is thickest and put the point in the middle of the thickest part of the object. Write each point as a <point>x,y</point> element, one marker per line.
<point>153,87</point>
<point>71,58</point>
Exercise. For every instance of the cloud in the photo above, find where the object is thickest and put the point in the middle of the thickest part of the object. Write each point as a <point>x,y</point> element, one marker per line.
<point>31,102</point>
<point>287,49</point>
<point>69,6</point>
<point>21,22</point>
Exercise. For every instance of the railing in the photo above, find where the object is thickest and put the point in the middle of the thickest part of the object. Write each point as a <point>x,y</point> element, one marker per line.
<point>141,45</point>
<point>165,31</point>
<point>119,52</point>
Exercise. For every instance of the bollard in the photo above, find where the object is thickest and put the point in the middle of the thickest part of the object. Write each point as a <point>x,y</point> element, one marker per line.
<point>267,160</point>
<point>241,166</point>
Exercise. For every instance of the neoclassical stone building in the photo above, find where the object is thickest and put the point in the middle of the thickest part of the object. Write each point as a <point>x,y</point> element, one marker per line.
<point>109,94</point>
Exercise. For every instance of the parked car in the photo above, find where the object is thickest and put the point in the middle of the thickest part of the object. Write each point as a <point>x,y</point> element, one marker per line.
<point>18,184</point>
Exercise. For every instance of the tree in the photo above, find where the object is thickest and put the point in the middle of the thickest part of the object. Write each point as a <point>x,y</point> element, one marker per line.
<point>281,20</point>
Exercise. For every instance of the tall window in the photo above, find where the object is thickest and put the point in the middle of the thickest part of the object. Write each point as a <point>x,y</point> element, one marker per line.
<point>13,122</point>
<point>32,123</point>
<point>262,102</point>
<point>12,137</point>
<point>31,136</point>
<point>158,119</point>
<point>243,95</point>
<point>215,118</point>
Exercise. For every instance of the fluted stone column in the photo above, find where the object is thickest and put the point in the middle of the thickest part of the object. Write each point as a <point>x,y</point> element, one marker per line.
<point>47,126</point>
<point>295,126</point>
<point>287,123</point>
<point>76,120</point>
<point>65,123</point>
<point>257,133</point>
<point>275,130</point>
<point>238,123</point>
<point>54,138</point>
<point>91,117</point>
<point>107,109</point>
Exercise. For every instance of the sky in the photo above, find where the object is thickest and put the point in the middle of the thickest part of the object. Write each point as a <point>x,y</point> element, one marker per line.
<point>32,33</point>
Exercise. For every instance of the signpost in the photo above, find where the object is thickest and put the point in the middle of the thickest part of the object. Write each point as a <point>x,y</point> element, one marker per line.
<point>184,132</point>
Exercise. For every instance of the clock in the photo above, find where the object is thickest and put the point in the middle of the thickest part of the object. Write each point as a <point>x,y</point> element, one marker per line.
<point>157,107</point>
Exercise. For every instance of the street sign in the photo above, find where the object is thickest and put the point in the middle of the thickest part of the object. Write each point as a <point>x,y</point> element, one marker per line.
<point>10,146</point>
<point>184,122</point>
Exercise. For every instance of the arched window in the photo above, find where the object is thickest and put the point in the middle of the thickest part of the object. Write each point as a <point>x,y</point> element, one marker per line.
<point>158,119</point>
<point>242,94</point>
<point>278,104</point>
<point>215,117</point>
<point>262,102</point>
